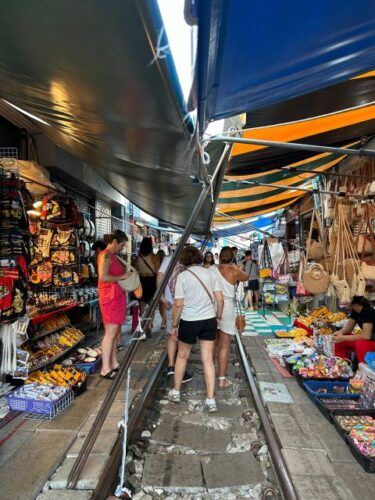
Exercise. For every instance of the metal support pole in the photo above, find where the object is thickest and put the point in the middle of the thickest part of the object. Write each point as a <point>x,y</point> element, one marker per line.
<point>326,174</point>
<point>295,146</point>
<point>125,363</point>
<point>306,190</point>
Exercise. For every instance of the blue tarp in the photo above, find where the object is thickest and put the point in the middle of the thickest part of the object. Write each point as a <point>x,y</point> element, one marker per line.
<point>255,53</point>
<point>261,223</point>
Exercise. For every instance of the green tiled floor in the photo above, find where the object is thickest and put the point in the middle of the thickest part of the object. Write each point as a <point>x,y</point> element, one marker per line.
<point>257,324</point>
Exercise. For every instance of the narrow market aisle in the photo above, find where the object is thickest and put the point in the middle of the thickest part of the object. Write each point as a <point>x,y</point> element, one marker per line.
<point>318,459</point>
<point>194,454</point>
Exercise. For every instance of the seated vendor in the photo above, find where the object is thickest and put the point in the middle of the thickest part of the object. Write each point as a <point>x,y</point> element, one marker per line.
<point>363,315</point>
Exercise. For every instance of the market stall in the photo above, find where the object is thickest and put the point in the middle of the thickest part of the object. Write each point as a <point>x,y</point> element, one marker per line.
<point>46,274</point>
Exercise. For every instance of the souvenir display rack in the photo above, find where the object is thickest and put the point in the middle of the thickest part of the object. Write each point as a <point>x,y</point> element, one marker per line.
<point>45,259</point>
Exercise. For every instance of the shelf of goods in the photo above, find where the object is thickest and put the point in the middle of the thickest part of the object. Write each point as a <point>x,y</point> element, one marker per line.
<point>54,347</point>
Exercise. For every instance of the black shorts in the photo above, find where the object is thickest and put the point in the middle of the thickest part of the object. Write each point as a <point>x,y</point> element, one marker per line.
<point>190,331</point>
<point>253,285</point>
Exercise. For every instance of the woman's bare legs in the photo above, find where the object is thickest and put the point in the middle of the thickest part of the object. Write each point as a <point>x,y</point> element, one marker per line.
<point>109,344</point>
<point>114,360</point>
<point>162,314</point>
<point>183,354</point>
<point>224,340</point>
<point>207,356</point>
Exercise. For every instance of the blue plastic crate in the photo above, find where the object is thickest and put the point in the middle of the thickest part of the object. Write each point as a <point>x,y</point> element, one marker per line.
<point>90,367</point>
<point>312,387</point>
<point>50,408</point>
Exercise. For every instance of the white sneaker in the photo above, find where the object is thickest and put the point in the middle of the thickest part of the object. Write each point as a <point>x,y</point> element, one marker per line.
<point>174,396</point>
<point>210,405</point>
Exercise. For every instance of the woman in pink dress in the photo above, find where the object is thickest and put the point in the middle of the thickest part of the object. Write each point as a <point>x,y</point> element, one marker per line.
<point>112,300</point>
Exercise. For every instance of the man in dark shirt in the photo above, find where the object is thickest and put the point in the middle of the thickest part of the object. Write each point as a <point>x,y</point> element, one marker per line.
<point>363,315</point>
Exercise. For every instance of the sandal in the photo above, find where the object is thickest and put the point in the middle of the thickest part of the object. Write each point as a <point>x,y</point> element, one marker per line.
<point>115,370</point>
<point>109,376</point>
<point>228,383</point>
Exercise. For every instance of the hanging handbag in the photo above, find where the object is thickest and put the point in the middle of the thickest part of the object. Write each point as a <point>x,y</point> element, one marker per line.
<point>240,317</point>
<point>301,290</point>
<point>285,277</point>
<point>314,277</point>
<point>314,248</point>
<point>265,262</point>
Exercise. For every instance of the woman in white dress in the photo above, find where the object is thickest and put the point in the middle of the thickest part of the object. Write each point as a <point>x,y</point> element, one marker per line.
<point>228,275</point>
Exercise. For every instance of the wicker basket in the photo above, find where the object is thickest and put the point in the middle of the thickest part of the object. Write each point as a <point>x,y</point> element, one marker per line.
<point>316,279</point>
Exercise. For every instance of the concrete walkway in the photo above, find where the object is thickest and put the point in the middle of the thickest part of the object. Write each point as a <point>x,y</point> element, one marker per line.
<point>320,462</point>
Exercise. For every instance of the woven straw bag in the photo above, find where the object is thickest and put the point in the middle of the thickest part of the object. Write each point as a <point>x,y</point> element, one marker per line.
<point>316,279</point>
<point>327,262</point>
<point>315,250</point>
<point>368,270</point>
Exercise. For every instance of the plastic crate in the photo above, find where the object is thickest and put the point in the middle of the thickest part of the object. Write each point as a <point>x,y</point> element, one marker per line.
<point>47,408</point>
<point>79,389</point>
<point>367,463</point>
<point>312,387</point>
<point>89,367</point>
<point>330,413</point>
<point>301,380</point>
<point>339,429</point>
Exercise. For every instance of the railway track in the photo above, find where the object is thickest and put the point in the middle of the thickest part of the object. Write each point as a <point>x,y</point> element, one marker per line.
<point>178,451</point>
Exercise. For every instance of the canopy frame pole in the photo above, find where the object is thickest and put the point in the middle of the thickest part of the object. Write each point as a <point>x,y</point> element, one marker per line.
<point>307,190</point>
<point>150,309</point>
<point>295,146</point>
<point>326,174</point>
<point>266,233</point>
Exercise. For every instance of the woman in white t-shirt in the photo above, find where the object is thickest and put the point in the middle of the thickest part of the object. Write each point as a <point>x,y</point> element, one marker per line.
<point>194,317</point>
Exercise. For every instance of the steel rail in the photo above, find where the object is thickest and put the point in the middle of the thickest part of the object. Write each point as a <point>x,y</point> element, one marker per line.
<point>125,363</point>
<point>281,469</point>
<point>368,153</point>
<point>110,471</point>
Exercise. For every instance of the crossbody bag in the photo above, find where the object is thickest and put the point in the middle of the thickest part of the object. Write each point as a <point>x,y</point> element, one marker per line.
<point>204,286</point>
<point>148,265</point>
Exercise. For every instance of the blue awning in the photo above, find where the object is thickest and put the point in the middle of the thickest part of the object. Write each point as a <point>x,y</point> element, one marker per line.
<point>255,53</point>
<point>261,223</point>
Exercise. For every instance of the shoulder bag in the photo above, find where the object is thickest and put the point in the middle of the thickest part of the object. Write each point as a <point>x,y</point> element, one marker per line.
<point>132,283</point>
<point>204,286</point>
<point>240,317</point>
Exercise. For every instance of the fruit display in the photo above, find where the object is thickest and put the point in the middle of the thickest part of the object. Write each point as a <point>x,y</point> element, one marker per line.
<point>295,333</point>
<point>321,315</point>
<point>53,346</point>
<point>58,375</point>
